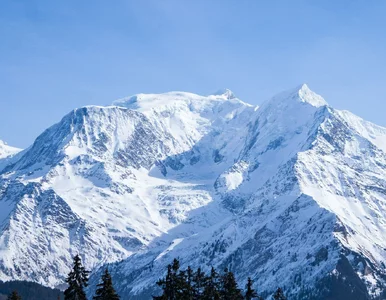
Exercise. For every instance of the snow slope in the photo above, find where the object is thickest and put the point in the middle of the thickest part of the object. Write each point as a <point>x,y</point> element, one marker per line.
<point>291,194</point>
<point>7,154</point>
<point>85,185</point>
<point>6,150</point>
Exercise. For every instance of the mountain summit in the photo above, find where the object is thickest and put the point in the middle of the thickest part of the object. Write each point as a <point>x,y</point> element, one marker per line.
<point>227,93</point>
<point>308,96</point>
<point>292,194</point>
<point>299,94</point>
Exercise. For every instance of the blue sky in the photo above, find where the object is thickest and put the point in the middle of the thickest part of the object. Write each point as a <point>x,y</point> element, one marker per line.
<point>59,55</point>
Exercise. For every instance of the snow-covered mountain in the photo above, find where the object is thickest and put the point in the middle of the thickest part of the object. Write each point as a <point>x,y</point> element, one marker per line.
<point>6,150</point>
<point>292,194</point>
<point>6,153</point>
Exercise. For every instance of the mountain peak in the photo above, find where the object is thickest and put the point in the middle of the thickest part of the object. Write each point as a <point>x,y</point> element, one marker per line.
<point>205,179</point>
<point>301,94</point>
<point>148,102</point>
<point>308,96</point>
<point>226,93</point>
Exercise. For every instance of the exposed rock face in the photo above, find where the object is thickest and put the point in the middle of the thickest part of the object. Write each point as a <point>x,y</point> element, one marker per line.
<point>291,194</point>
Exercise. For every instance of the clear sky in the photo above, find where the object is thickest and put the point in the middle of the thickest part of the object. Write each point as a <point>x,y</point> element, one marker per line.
<point>59,55</point>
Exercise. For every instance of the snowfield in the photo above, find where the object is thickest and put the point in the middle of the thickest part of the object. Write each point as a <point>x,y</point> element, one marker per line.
<point>291,193</point>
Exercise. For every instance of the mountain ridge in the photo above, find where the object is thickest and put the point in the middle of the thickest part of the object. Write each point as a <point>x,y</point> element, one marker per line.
<point>212,180</point>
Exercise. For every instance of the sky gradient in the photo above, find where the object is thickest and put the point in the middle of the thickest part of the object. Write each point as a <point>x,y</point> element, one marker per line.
<point>59,55</point>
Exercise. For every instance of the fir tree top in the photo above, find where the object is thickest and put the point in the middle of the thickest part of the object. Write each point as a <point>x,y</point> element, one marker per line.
<point>105,289</point>
<point>279,295</point>
<point>14,296</point>
<point>250,293</point>
<point>77,280</point>
<point>230,290</point>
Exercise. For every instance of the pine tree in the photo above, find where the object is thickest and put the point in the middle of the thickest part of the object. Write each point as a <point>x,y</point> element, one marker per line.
<point>195,285</point>
<point>279,295</point>
<point>185,289</point>
<point>199,281</point>
<point>250,293</point>
<point>105,289</point>
<point>165,284</point>
<point>180,285</point>
<point>171,284</point>
<point>77,280</point>
<point>212,288</point>
<point>229,288</point>
<point>14,296</point>
<point>176,279</point>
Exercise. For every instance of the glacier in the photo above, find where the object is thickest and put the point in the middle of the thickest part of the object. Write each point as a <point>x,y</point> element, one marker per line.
<point>291,193</point>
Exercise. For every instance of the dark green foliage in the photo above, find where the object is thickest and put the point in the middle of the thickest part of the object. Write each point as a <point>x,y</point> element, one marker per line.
<point>77,280</point>
<point>279,295</point>
<point>196,285</point>
<point>14,296</point>
<point>229,289</point>
<point>168,285</point>
<point>187,289</point>
<point>199,283</point>
<point>177,284</point>
<point>28,290</point>
<point>105,289</point>
<point>212,286</point>
<point>250,293</point>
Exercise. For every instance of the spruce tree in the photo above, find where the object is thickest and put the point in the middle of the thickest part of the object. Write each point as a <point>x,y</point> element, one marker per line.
<point>212,288</point>
<point>14,296</point>
<point>199,281</point>
<point>180,285</point>
<point>105,289</point>
<point>185,288</point>
<point>177,280</point>
<point>165,285</point>
<point>229,288</point>
<point>172,284</point>
<point>195,285</point>
<point>250,293</point>
<point>77,280</point>
<point>279,295</point>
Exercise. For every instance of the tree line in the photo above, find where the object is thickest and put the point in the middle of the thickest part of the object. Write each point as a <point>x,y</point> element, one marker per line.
<point>177,284</point>
<point>77,281</point>
<point>192,284</point>
<point>27,290</point>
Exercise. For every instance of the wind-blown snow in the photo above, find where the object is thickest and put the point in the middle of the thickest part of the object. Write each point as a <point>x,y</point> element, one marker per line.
<point>278,193</point>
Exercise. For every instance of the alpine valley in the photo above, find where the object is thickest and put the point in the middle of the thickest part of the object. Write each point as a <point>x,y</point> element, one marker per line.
<point>292,193</point>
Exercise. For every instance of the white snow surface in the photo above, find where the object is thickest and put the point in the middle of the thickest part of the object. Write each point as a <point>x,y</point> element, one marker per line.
<point>6,150</point>
<point>209,179</point>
